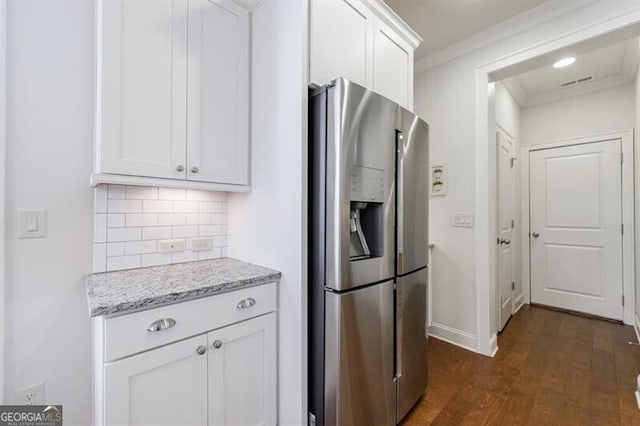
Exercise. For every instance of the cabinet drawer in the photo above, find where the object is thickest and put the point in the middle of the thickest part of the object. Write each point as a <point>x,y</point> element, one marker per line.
<point>128,334</point>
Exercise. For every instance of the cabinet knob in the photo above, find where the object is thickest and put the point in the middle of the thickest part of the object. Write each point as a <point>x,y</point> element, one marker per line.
<point>180,168</point>
<point>217,344</point>
<point>161,324</point>
<point>194,169</point>
<point>200,350</point>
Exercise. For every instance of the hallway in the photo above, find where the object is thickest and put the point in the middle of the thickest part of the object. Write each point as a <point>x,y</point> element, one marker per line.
<point>551,368</point>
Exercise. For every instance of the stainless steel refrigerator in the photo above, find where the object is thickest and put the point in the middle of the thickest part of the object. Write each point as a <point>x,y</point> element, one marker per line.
<point>368,184</point>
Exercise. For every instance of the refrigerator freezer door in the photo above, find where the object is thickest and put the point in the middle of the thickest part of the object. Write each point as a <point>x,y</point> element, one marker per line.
<point>359,387</point>
<point>360,174</point>
<point>411,299</point>
<point>413,189</point>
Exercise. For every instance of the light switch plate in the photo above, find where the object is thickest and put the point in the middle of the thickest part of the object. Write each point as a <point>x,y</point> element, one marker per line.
<point>32,223</point>
<point>462,220</point>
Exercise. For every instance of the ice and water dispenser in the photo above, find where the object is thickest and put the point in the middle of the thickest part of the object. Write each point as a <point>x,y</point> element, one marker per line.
<point>366,216</point>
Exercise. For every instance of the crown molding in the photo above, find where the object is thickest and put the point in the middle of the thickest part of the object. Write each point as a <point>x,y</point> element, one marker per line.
<point>506,29</point>
<point>583,89</point>
<point>517,91</point>
<point>391,18</point>
<point>631,58</point>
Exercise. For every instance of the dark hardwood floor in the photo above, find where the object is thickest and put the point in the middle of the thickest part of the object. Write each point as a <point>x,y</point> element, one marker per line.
<point>552,368</point>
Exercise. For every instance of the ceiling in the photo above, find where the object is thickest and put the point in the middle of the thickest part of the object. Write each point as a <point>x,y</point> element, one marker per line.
<point>614,64</point>
<point>442,23</point>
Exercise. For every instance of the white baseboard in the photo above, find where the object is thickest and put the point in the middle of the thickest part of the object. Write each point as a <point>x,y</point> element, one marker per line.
<point>519,303</point>
<point>493,342</point>
<point>454,336</point>
<point>636,327</point>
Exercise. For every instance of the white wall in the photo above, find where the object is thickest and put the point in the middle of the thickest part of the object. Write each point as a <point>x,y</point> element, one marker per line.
<point>589,114</point>
<point>445,97</point>
<point>267,226</point>
<point>3,97</point>
<point>50,83</point>
<point>508,116</point>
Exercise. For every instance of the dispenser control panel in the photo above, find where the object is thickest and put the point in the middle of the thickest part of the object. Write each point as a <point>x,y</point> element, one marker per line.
<point>367,184</point>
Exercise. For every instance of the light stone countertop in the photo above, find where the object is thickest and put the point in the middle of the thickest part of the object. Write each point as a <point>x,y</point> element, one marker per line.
<point>134,289</point>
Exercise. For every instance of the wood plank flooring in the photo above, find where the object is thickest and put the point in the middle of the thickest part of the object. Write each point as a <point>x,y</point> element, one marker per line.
<point>552,368</point>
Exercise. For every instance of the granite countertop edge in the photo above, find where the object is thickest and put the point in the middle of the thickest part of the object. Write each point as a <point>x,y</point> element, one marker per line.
<point>99,308</point>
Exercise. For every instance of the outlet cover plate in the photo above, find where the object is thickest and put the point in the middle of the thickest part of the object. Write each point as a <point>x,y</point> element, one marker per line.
<point>171,246</point>
<point>202,244</point>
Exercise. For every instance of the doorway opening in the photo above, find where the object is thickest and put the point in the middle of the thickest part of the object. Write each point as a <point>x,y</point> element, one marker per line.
<point>504,141</point>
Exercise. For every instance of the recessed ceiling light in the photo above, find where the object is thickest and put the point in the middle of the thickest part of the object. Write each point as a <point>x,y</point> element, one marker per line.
<point>564,62</point>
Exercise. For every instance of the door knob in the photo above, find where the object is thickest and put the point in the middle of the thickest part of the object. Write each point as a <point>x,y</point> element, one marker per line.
<point>505,242</point>
<point>535,234</point>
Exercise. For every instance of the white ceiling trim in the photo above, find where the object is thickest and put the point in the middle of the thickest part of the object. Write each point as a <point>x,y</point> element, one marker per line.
<point>516,89</point>
<point>391,18</point>
<point>509,28</point>
<point>570,92</point>
<point>631,58</point>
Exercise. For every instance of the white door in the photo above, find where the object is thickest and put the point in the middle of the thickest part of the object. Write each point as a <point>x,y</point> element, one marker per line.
<point>506,224</point>
<point>340,41</point>
<point>142,99</point>
<point>242,373</point>
<point>576,221</point>
<point>218,92</point>
<point>164,386</point>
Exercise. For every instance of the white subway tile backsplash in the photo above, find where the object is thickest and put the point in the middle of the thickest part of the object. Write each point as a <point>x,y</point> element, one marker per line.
<point>185,206</point>
<point>156,232</point>
<point>172,194</point>
<point>185,231</point>
<point>142,219</point>
<point>123,262</point>
<point>198,195</point>
<point>210,207</point>
<point>100,228</point>
<point>99,257</point>
<point>115,249</point>
<point>152,206</point>
<point>172,219</point>
<point>115,220</point>
<point>155,259</point>
<point>100,199</point>
<point>123,234</point>
<point>140,247</point>
<point>142,193</point>
<point>129,222</point>
<point>124,206</point>
<point>117,192</point>
<point>198,219</point>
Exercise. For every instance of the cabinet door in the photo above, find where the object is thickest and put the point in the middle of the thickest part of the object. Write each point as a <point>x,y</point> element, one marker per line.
<point>393,66</point>
<point>142,66</point>
<point>218,92</point>
<point>341,42</point>
<point>167,385</point>
<point>242,373</point>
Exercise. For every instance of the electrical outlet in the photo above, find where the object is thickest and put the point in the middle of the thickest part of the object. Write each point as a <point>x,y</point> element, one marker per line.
<point>201,244</point>
<point>171,246</point>
<point>30,395</point>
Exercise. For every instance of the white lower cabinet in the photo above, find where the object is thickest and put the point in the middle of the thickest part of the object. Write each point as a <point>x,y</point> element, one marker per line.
<point>164,386</point>
<point>221,374</point>
<point>242,373</point>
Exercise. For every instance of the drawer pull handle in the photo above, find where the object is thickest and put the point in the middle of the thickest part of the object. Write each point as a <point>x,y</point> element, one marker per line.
<point>161,324</point>
<point>246,303</point>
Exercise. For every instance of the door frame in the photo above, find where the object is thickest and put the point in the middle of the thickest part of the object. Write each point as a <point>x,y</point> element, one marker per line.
<point>628,245</point>
<point>3,180</point>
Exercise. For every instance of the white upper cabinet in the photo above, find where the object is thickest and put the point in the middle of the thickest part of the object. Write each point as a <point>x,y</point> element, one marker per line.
<point>173,93</point>
<point>218,92</point>
<point>392,66</point>
<point>341,41</point>
<point>363,41</point>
